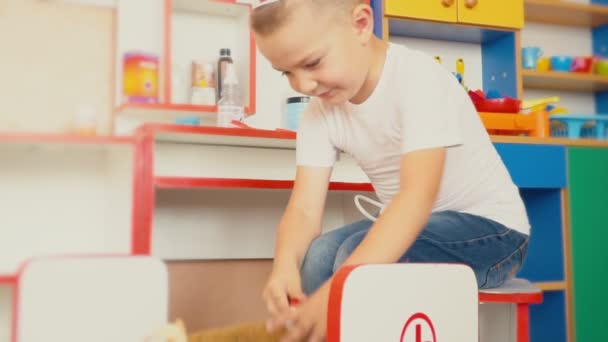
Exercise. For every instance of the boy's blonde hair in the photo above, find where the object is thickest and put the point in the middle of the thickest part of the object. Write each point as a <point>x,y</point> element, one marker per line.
<point>268,18</point>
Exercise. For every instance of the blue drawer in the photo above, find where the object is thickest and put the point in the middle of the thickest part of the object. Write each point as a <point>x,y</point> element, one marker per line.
<point>548,320</point>
<point>535,166</point>
<point>545,260</point>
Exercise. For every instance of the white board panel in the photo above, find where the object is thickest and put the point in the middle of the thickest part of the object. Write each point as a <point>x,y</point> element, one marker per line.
<point>120,299</point>
<point>409,302</point>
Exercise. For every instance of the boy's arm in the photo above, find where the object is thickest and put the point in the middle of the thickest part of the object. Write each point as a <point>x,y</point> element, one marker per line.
<point>407,214</point>
<point>301,221</point>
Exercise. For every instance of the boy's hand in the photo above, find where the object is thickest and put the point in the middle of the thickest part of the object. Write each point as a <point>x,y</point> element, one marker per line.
<point>306,322</point>
<point>283,284</point>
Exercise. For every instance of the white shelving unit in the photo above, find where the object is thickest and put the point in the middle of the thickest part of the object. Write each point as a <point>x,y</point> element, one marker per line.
<point>179,32</point>
<point>61,195</point>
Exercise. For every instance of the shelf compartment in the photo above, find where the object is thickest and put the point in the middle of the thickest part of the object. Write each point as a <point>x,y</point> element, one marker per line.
<point>216,24</point>
<point>271,184</point>
<point>179,32</point>
<point>568,81</point>
<point>566,13</point>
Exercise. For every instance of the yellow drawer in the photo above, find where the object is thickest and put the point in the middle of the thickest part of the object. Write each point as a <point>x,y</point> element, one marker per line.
<point>497,13</point>
<point>438,10</point>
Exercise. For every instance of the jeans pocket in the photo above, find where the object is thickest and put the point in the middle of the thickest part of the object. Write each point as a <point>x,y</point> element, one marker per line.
<point>507,268</point>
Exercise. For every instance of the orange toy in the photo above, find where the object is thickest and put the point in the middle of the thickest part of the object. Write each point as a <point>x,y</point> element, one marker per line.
<point>535,124</point>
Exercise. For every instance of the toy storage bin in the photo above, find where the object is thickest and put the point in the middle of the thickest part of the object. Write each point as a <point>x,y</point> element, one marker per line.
<point>579,126</point>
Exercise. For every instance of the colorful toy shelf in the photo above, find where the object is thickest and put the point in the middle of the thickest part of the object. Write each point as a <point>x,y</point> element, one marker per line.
<point>580,126</point>
<point>493,27</point>
<point>566,13</point>
<point>569,81</point>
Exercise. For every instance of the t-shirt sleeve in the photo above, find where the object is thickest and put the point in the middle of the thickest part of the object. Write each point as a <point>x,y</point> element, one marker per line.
<point>430,104</point>
<point>313,143</point>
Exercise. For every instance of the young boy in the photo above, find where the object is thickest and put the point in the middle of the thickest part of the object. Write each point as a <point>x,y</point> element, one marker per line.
<point>446,195</point>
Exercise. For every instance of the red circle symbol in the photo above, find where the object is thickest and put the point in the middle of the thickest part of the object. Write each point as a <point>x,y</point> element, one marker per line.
<point>418,328</point>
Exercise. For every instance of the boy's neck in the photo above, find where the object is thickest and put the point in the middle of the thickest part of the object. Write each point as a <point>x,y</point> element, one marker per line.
<point>378,50</point>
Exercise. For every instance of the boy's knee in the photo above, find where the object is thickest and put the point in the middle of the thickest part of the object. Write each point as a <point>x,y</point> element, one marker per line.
<point>317,265</point>
<point>347,248</point>
<point>317,255</point>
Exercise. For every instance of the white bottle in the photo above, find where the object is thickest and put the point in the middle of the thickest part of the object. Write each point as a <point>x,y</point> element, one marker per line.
<point>230,106</point>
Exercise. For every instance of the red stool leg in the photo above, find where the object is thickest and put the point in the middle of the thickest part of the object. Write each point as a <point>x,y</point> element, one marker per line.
<point>523,323</point>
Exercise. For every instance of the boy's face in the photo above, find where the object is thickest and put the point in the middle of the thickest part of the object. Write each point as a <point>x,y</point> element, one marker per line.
<point>320,55</point>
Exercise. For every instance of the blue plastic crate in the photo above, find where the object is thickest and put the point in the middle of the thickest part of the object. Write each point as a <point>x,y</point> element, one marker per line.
<point>579,126</point>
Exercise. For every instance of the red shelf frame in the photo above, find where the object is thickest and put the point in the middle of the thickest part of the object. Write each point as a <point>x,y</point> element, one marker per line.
<point>8,279</point>
<point>168,106</point>
<point>190,183</point>
<point>214,130</point>
<point>529,298</point>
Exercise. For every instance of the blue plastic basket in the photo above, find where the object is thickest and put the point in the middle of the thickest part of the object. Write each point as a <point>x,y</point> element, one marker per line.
<point>579,126</point>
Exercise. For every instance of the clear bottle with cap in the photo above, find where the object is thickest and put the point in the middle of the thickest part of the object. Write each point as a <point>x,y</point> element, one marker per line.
<point>230,105</point>
<point>224,60</point>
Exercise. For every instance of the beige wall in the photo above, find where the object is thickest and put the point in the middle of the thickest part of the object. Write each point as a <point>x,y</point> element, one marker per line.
<point>54,58</point>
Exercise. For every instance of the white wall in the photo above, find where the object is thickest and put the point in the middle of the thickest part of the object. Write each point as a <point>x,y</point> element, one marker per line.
<point>63,199</point>
<point>55,58</point>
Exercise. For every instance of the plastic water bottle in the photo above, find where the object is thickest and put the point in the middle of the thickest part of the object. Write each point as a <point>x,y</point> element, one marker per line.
<point>230,105</point>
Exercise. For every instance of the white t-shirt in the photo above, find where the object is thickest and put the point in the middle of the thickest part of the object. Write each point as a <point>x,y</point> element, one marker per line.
<point>416,104</point>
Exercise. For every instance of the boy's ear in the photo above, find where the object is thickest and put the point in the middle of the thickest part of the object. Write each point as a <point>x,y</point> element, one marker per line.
<point>363,22</point>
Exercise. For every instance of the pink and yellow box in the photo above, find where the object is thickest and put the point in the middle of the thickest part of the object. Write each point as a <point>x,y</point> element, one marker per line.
<point>140,78</point>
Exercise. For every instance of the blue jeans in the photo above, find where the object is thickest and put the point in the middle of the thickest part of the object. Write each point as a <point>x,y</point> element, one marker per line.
<point>494,252</point>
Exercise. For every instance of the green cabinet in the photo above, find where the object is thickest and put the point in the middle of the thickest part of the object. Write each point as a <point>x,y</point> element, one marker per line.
<point>588,187</point>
